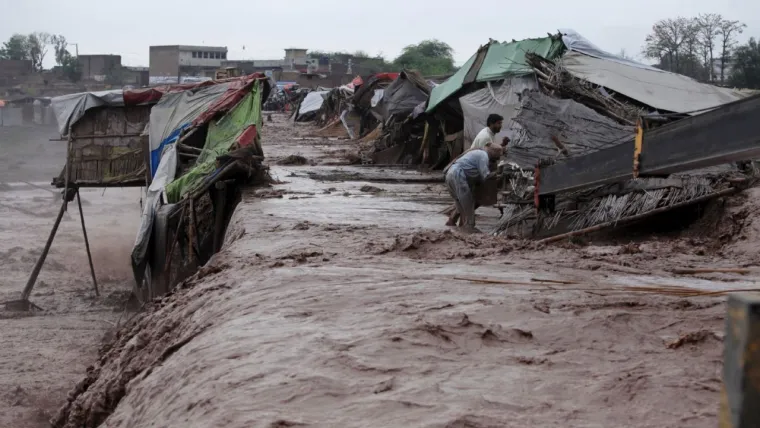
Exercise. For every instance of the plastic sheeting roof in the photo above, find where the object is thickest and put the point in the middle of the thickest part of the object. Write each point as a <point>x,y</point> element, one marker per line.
<point>312,102</point>
<point>70,108</point>
<point>501,60</point>
<point>656,88</point>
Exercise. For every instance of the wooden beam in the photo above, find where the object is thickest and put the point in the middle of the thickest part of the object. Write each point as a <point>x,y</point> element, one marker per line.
<point>741,363</point>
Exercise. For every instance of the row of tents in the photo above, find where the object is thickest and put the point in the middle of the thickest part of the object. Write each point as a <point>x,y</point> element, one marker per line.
<point>561,96</point>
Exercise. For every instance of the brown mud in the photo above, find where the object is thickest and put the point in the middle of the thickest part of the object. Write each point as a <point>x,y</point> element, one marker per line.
<point>330,306</point>
<point>42,354</point>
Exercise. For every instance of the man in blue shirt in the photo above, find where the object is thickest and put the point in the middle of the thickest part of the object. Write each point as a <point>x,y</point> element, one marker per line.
<point>463,174</point>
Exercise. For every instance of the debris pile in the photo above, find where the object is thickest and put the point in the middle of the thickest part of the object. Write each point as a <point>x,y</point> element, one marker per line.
<point>560,101</point>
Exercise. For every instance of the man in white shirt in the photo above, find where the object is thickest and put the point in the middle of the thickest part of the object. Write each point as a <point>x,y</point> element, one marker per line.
<point>466,172</point>
<point>494,123</point>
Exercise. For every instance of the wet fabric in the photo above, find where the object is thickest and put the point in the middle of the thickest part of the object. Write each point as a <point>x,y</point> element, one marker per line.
<point>474,164</point>
<point>502,98</point>
<point>501,61</point>
<point>459,189</point>
<point>221,137</point>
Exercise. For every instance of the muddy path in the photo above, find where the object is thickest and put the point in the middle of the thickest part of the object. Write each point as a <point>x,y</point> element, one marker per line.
<point>342,301</point>
<point>43,354</point>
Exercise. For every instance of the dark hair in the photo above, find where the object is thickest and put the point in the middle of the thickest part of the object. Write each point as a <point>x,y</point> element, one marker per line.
<point>493,118</point>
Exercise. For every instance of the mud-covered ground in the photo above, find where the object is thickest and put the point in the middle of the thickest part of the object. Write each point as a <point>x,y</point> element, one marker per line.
<point>43,354</point>
<point>341,300</point>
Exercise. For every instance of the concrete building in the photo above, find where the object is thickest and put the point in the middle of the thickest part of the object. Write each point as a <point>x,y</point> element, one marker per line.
<point>179,62</point>
<point>98,67</point>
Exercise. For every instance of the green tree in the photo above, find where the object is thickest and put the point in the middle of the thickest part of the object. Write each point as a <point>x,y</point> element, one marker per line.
<point>70,67</point>
<point>429,57</point>
<point>60,46</point>
<point>746,68</point>
<point>38,47</point>
<point>17,47</point>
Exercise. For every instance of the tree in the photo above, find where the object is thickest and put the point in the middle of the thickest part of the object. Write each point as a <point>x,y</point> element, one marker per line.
<point>623,54</point>
<point>707,30</point>
<point>667,40</point>
<point>746,70</point>
<point>17,47</point>
<point>370,64</point>
<point>70,67</point>
<point>60,46</point>
<point>429,57</point>
<point>727,33</point>
<point>38,47</point>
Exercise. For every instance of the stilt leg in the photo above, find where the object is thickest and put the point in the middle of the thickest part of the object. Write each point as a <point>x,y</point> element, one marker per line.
<point>87,245</point>
<point>41,261</point>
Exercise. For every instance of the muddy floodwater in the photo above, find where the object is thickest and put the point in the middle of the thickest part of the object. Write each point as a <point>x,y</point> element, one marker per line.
<point>340,299</point>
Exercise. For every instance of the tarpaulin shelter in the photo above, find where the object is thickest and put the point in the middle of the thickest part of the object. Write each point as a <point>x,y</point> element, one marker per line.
<point>403,95</point>
<point>310,105</point>
<point>202,123</point>
<point>503,98</point>
<point>495,61</point>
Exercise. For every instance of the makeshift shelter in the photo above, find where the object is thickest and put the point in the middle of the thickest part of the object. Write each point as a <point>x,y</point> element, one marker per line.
<point>206,135</point>
<point>400,138</point>
<point>311,105</point>
<point>196,139</point>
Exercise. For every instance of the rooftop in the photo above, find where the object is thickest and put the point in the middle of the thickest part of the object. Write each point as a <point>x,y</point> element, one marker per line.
<point>193,48</point>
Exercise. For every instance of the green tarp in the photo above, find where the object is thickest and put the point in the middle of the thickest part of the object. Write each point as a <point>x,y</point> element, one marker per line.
<point>501,61</point>
<point>221,137</point>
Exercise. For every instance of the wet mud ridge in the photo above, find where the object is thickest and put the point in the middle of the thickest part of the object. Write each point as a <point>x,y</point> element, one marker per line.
<point>333,306</point>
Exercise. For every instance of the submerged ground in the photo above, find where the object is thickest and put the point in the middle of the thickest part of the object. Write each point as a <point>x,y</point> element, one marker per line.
<point>341,300</point>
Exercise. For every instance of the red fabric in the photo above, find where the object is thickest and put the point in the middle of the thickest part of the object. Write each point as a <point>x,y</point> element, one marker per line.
<point>154,94</point>
<point>387,76</point>
<point>234,94</point>
<point>247,137</point>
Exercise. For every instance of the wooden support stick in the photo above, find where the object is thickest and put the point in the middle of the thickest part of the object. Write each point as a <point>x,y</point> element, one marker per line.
<point>191,232</point>
<point>87,245</point>
<point>41,261</point>
<point>219,208</point>
<point>687,271</point>
<point>741,358</point>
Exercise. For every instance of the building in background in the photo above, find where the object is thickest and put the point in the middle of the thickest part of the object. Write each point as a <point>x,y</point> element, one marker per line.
<point>181,63</point>
<point>100,67</point>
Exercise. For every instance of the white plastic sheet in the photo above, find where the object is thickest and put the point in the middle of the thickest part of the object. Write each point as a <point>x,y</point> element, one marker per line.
<point>377,97</point>
<point>500,98</point>
<point>176,109</point>
<point>312,102</point>
<point>164,175</point>
<point>658,89</point>
<point>577,43</point>
<point>70,108</point>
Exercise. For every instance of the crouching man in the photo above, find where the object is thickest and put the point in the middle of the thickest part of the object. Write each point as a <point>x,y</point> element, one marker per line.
<point>463,175</point>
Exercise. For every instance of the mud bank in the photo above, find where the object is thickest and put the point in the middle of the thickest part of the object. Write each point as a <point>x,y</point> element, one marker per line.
<point>329,306</point>
<point>45,353</point>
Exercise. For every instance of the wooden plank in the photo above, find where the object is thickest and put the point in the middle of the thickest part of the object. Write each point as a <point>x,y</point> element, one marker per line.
<point>741,363</point>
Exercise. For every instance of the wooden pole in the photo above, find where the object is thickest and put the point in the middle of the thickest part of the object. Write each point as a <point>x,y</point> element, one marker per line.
<point>741,359</point>
<point>41,261</point>
<point>87,245</point>
<point>219,208</point>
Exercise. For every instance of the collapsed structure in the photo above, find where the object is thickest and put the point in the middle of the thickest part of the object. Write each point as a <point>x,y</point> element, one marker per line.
<point>190,146</point>
<point>563,98</point>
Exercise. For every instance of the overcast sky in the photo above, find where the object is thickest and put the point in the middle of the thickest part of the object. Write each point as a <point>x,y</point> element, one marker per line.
<point>256,29</point>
